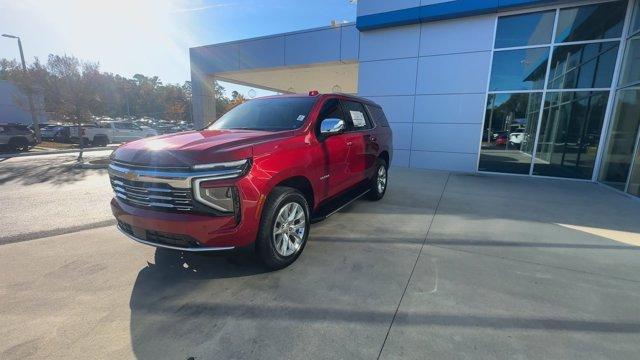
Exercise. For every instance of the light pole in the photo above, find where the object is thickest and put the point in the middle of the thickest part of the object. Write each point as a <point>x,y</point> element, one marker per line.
<point>34,118</point>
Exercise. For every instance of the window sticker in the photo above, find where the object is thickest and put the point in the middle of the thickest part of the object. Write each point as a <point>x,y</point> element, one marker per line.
<point>300,118</point>
<point>358,118</point>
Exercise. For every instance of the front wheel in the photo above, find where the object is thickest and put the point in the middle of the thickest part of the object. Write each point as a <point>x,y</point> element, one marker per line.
<point>378,183</point>
<point>284,228</point>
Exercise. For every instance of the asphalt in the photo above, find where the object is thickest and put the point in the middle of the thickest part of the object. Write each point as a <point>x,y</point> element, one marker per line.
<point>446,266</point>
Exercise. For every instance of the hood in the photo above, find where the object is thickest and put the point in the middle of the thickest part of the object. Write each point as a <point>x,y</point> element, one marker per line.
<point>194,147</point>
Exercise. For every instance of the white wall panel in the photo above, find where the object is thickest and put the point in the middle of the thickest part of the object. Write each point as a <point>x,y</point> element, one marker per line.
<point>451,108</point>
<point>390,43</point>
<point>444,161</point>
<point>459,35</point>
<point>387,77</point>
<point>459,138</point>
<point>396,108</point>
<point>401,135</point>
<point>457,73</point>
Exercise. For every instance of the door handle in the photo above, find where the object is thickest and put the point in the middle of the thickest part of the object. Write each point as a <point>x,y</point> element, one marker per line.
<point>349,143</point>
<point>372,138</point>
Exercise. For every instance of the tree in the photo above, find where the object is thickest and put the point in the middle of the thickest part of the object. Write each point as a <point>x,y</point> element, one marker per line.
<point>75,91</point>
<point>236,99</point>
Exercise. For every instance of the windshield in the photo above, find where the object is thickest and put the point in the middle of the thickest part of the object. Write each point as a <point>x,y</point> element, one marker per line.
<point>273,114</point>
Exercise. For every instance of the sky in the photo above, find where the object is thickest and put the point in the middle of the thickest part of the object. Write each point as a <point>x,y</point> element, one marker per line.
<point>152,37</point>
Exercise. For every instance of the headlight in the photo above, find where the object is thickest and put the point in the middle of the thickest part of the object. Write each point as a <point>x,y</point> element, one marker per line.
<point>231,165</point>
<point>220,198</point>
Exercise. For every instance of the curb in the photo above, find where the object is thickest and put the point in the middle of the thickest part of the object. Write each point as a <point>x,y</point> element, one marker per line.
<point>89,165</point>
<point>66,151</point>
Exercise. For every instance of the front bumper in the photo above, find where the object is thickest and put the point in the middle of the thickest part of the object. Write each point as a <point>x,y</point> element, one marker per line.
<point>172,247</point>
<point>205,232</point>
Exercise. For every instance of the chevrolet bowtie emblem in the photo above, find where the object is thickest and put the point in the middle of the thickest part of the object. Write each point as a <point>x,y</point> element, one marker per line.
<point>131,175</point>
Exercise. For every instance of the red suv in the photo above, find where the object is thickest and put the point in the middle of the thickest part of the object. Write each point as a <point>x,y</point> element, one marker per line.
<point>261,174</point>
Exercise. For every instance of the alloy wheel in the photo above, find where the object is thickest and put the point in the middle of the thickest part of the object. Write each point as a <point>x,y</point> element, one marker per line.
<point>289,229</point>
<point>382,179</point>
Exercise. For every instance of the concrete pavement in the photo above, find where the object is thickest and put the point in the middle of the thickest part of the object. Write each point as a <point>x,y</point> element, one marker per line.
<point>446,266</point>
<point>47,195</point>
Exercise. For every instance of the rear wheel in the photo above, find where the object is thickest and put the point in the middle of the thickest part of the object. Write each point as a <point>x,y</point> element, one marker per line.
<point>19,144</point>
<point>378,183</point>
<point>101,141</point>
<point>284,228</point>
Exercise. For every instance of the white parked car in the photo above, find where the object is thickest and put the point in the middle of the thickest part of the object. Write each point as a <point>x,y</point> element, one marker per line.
<point>113,132</point>
<point>516,138</point>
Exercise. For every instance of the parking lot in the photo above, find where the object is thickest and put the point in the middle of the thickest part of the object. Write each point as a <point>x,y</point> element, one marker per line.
<point>447,265</point>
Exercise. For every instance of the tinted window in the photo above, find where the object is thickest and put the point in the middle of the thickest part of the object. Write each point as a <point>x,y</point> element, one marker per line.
<point>527,29</point>
<point>519,69</point>
<point>274,114</point>
<point>331,110</point>
<point>506,114</point>
<point>123,126</point>
<point>598,21</point>
<point>356,115</point>
<point>583,66</point>
<point>378,116</point>
<point>622,139</point>
<point>570,133</point>
<point>635,25</point>
<point>631,67</point>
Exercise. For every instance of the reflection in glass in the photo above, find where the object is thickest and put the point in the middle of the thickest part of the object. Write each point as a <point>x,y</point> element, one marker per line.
<point>509,131</point>
<point>631,66</point>
<point>583,66</point>
<point>634,180</point>
<point>526,29</point>
<point>523,69</point>
<point>635,23</point>
<point>621,139</point>
<point>591,22</point>
<point>569,133</point>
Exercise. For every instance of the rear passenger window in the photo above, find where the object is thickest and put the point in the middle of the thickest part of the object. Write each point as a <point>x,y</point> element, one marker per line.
<point>357,115</point>
<point>378,115</point>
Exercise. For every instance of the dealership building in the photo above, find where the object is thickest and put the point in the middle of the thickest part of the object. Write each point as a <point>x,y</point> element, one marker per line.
<point>530,87</point>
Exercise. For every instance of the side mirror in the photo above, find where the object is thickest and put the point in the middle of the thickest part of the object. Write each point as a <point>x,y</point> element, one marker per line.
<point>332,126</point>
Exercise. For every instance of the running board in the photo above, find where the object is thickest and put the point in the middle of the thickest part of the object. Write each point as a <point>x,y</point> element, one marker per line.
<point>338,203</point>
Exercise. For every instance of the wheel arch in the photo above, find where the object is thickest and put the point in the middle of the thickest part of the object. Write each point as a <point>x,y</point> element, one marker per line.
<point>385,156</point>
<point>302,184</point>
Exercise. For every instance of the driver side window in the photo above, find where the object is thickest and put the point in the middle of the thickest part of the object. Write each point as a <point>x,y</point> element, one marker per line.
<point>331,109</point>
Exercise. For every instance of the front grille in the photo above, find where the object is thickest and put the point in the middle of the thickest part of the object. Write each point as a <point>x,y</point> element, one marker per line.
<point>155,196</point>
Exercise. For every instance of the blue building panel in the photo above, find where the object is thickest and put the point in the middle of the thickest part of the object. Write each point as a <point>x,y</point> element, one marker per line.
<point>443,11</point>
<point>311,47</point>
<point>349,43</point>
<point>261,53</point>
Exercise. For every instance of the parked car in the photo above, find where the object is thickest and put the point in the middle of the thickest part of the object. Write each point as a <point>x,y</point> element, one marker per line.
<point>57,133</point>
<point>259,175</point>
<point>16,137</point>
<point>104,133</point>
<point>516,138</point>
<point>501,139</point>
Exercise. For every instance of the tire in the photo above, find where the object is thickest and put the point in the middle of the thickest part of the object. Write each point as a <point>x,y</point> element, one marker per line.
<point>19,144</point>
<point>100,141</point>
<point>273,246</point>
<point>379,181</point>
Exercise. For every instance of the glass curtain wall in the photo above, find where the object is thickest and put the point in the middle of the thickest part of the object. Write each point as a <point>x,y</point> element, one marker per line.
<point>551,77</point>
<point>621,160</point>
